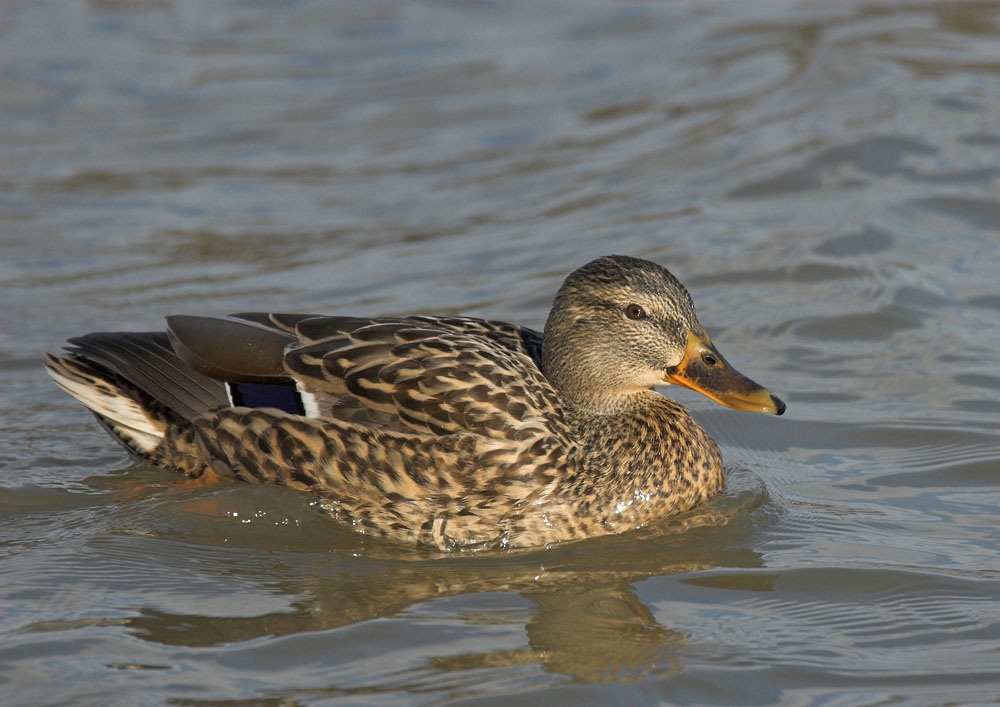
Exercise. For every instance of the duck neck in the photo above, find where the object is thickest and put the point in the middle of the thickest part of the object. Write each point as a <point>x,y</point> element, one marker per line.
<point>576,370</point>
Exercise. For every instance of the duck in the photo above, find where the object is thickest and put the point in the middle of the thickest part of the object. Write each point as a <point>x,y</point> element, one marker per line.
<point>452,432</point>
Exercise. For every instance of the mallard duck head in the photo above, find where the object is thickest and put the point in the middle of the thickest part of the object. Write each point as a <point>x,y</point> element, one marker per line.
<point>620,325</point>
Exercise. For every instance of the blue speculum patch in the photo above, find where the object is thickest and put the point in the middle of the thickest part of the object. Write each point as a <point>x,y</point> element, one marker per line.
<point>283,396</point>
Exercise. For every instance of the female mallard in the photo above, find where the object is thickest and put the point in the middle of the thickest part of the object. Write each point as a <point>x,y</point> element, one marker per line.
<point>451,431</point>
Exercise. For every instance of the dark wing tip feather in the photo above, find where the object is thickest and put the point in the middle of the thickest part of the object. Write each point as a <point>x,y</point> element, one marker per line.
<point>235,349</point>
<point>146,360</point>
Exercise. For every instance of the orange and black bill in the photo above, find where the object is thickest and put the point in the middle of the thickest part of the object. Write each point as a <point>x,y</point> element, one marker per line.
<point>704,369</point>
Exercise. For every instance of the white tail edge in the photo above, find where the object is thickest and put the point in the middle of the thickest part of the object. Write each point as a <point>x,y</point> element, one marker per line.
<point>123,414</point>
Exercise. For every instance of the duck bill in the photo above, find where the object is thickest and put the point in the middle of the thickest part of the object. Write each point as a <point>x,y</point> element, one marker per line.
<point>704,369</point>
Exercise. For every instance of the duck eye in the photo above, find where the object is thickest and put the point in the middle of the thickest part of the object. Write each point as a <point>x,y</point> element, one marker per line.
<point>634,311</point>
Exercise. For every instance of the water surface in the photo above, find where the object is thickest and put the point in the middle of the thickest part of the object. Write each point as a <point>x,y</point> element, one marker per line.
<point>824,180</point>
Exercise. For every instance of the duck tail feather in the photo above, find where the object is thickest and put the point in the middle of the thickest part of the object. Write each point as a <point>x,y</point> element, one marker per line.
<point>148,362</point>
<point>118,406</point>
<point>136,386</point>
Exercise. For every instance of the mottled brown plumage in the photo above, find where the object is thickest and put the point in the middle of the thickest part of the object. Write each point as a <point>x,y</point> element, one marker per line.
<point>450,431</point>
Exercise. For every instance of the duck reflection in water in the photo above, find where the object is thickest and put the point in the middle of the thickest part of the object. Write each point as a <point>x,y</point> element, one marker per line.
<point>585,619</point>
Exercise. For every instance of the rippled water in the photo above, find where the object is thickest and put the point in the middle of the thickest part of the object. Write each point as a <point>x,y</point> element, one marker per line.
<point>823,178</point>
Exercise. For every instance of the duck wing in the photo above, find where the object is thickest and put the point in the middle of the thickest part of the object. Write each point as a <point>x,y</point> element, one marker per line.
<point>427,375</point>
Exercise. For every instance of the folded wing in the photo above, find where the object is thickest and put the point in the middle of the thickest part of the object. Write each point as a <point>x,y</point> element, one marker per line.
<point>427,375</point>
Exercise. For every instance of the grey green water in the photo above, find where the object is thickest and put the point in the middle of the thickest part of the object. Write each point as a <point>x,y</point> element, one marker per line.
<point>823,176</point>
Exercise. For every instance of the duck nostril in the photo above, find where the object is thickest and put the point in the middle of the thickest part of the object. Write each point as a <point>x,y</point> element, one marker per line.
<point>710,360</point>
